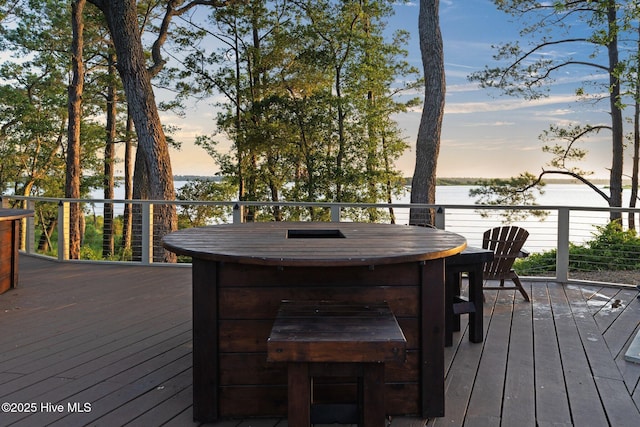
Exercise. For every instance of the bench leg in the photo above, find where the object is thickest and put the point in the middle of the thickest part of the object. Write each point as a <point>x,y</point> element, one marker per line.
<point>451,321</point>
<point>299,409</point>
<point>373,410</point>
<point>476,329</point>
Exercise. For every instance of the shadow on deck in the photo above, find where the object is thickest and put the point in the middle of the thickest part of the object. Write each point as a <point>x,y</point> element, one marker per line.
<point>92,344</point>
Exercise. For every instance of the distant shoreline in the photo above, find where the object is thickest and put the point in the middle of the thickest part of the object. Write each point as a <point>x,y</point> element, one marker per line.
<point>476,181</point>
<point>439,181</point>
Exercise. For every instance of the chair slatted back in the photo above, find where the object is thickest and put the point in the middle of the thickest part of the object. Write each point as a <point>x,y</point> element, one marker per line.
<point>506,243</point>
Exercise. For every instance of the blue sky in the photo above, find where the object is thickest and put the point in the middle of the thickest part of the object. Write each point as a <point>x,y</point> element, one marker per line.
<point>483,135</point>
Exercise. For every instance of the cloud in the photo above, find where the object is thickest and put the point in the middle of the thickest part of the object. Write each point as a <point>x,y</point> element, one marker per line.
<point>462,88</point>
<point>496,106</point>
<point>468,67</point>
<point>491,124</point>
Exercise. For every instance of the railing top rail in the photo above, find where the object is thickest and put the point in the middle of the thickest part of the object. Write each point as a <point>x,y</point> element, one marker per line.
<point>328,204</point>
<point>468,220</point>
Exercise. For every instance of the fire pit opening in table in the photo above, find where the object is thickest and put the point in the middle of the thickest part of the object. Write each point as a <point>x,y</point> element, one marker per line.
<point>315,234</point>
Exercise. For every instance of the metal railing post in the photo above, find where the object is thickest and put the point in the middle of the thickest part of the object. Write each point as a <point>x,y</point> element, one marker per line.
<point>147,233</point>
<point>335,213</point>
<point>562,252</point>
<point>238,211</point>
<point>63,230</point>
<point>30,229</point>
<point>440,214</point>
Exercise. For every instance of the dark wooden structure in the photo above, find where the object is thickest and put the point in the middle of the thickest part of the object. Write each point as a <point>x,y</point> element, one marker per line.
<point>506,242</point>
<point>332,339</point>
<point>119,337</point>
<point>242,272</point>
<point>472,262</point>
<point>9,245</point>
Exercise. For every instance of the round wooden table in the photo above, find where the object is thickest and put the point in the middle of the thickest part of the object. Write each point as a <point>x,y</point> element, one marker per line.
<point>241,273</point>
<point>9,245</point>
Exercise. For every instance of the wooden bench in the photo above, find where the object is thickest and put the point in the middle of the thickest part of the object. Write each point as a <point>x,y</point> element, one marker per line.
<point>331,339</point>
<point>470,261</point>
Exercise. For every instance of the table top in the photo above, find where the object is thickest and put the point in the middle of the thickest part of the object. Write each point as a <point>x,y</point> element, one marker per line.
<point>11,214</point>
<point>314,243</point>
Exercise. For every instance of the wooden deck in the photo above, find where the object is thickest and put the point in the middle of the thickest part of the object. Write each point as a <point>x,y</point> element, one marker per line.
<point>118,339</point>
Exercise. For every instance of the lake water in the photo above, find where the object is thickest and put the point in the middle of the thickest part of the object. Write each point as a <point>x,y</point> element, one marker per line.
<point>471,224</point>
<point>554,195</point>
<point>543,232</point>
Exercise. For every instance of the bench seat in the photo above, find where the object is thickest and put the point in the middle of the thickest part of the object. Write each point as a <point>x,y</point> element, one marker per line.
<point>323,339</point>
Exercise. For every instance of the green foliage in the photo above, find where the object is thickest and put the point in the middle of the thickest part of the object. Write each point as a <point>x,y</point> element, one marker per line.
<point>197,215</point>
<point>521,190</point>
<point>34,76</point>
<point>611,248</point>
<point>537,264</point>
<point>596,35</point>
<point>310,89</point>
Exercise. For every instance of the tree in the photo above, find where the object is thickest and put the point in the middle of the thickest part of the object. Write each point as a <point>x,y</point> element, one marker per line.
<point>153,178</point>
<point>632,77</point>
<point>529,71</point>
<point>35,107</point>
<point>73,170</point>
<point>108,239</point>
<point>310,88</point>
<point>636,137</point>
<point>153,165</point>
<point>203,190</point>
<point>423,185</point>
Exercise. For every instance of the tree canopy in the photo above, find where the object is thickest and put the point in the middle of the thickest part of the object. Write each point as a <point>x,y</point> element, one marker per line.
<point>305,91</point>
<point>596,35</point>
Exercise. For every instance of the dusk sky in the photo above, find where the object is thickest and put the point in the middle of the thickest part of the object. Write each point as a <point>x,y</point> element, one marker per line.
<point>483,135</point>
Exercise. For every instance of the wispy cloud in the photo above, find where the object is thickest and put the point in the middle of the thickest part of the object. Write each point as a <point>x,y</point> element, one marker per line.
<point>495,106</point>
<point>498,123</point>
<point>495,144</point>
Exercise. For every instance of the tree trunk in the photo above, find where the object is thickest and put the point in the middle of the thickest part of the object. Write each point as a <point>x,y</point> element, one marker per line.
<point>423,185</point>
<point>128,188</point>
<point>615,177</point>
<point>108,239</point>
<point>153,150</point>
<point>636,144</point>
<point>48,227</point>
<point>339,172</point>
<point>73,171</point>
<point>634,173</point>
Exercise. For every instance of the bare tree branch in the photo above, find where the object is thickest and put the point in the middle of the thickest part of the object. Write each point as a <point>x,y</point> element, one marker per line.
<point>569,173</point>
<point>174,10</point>
<point>541,46</point>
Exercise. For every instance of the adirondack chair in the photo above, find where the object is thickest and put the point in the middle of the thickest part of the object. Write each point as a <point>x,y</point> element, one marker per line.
<point>506,243</point>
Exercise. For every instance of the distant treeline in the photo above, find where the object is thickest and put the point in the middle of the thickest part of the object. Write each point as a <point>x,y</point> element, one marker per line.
<point>439,181</point>
<point>197,177</point>
<point>479,181</point>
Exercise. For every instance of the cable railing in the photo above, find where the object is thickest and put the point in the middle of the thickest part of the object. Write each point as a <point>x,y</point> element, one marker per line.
<point>563,241</point>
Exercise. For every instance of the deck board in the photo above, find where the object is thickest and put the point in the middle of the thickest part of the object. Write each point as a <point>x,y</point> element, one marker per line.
<point>519,397</point>
<point>552,404</point>
<point>119,337</point>
<point>486,398</point>
<point>580,386</point>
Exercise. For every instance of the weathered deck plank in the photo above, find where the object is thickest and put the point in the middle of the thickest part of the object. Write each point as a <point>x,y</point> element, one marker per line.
<point>552,403</point>
<point>519,397</point>
<point>485,405</point>
<point>616,401</point>
<point>119,338</point>
<point>580,386</point>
